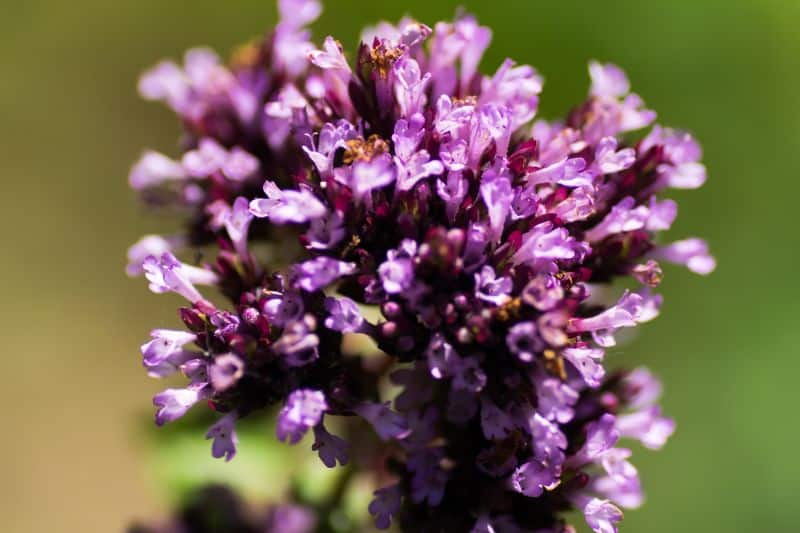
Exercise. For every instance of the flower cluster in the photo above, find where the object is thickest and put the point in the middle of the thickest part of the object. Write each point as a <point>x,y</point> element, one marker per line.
<point>487,243</point>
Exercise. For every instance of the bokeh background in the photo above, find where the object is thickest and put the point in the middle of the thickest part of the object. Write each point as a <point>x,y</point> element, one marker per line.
<point>76,445</point>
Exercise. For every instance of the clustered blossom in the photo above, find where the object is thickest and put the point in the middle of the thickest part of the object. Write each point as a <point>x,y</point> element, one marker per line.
<point>411,183</point>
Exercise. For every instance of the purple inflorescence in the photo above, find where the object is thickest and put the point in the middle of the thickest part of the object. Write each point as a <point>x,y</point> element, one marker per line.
<point>485,241</point>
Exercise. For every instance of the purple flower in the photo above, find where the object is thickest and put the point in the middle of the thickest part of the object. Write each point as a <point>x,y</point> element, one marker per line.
<point>608,80</point>
<point>331,448</point>
<point>385,505</point>
<point>543,292</point>
<point>625,216</point>
<point>486,245</point>
<point>173,403</point>
<point>428,478</point>
<point>291,519</point>
<point>283,207</point>
<point>601,436</point>
<point>370,175</point>
<point>631,309</point>
<point>533,477</point>
<point>226,370</point>
<point>397,272</point>
<point>693,253</point>
<point>544,245</point>
<point>641,389</point>
<point>621,483</point>
<point>343,315</point>
<point>555,400</point>
<point>224,435</point>
<point>497,194</point>
<point>682,169</point>
<point>148,245</point>
<point>587,361</point>
<point>209,157</point>
<point>166,343</point>
<point>320,272</point>
<point>237,223</point>
<point>331,57</point>
<point>411,86</point>
<point>154,169</point>
<point>325,233</point>
<point>303,410</point>
<point>442,358</point>
<point>523,341</point>
<point>298,344</point>
<point>601,515</point>
<point>647,426</point>
<point>387,424</point>
<point>167,274</point>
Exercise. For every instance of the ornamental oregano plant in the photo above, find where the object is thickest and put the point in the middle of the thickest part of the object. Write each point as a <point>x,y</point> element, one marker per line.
<point>406,197</point>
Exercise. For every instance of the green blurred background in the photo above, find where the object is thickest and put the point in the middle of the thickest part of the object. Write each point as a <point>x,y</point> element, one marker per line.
<point>74,446</point>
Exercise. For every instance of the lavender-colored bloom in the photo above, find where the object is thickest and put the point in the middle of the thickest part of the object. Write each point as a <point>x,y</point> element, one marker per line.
<point>282,309</point>
<point>224,435</point>
<point>397,272</point>
<point>601,515</point>
<point>325,233</point>
<point>173,404</point>
<point>587,362</point>
<point>641,389</point>
<point>237,223</point>
<point>209,157</point>
<point>167,274</point>
<point>442,358</point>
<point>283,207</point>
<point>543,292</point>
<point>370,175</point>
<point>608,80</point>
<point>497,194</point>
<point>625,216</point>
<point>601,436</point>
<point>545,244</point>
<point>648,274</point>
<point>154,169</point>
<point>225,371</point>
<point>523,341</point>
<point>330,57</point>
<point>631,309</point>
<point>647,426</point>
<point>385,505</point>
<point>683,169</point>
<point>331,449</point>
<point>555,400</point>
<point>148,245</point>
<point>303,410</point>
<point>320,272</point>
<point>410,87</point>
<point>693,253</point>
<point>298,344</point>
<point>621,483</point>
<point>428,478</point>
<point>343,315</point>
<point>291,519</point>
<point>387,424</point>
<point>533,477</point>
<point>165,344</point>
<point>485,244</point>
